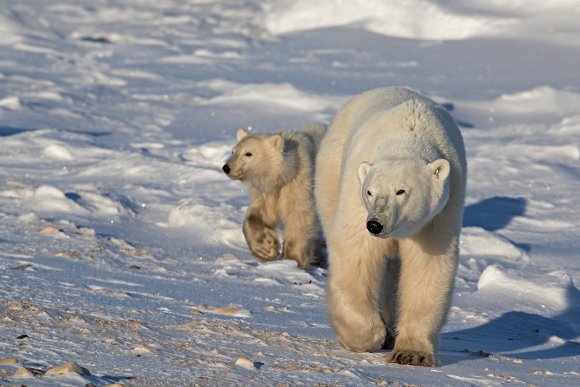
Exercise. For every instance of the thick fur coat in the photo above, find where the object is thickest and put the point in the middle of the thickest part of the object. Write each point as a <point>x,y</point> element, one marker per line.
<point>279,172</point>
<point>390,186</point>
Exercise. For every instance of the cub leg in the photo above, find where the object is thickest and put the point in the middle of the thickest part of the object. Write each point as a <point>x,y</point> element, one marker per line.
<point>260,224</point>
<point>301,238</point>
<point>424,293</point>
<point>302,231</point>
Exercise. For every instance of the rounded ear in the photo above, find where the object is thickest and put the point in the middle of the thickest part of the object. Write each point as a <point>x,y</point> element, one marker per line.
<point>363,171</point>
<point>277,142</point>
<point>440,169</point>
<point>241,133</point>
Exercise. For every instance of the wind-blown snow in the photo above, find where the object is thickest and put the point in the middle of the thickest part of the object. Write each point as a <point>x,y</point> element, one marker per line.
<point>416,19</point>
<point>540,104</point>
<point>424,19</point>
<point>121,245</point>
<point>282,94</point>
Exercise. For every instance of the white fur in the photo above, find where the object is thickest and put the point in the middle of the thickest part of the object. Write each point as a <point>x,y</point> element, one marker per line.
<point>279,171</point>
<point>395,157</point>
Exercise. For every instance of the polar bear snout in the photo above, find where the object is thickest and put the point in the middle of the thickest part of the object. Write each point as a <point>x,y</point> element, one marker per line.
<point>226,169</point>
<point>380,218</point>
<point>374,227</point>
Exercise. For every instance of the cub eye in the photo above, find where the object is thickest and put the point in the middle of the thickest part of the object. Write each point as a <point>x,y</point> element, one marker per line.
<point>248,154</point>
<point>400,192</point>
<point>369,193</point>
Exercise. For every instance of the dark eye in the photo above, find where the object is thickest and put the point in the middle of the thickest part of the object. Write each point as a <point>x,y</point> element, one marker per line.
<point>248,154</point>
<point>369,193</point>
<point>400,192</point>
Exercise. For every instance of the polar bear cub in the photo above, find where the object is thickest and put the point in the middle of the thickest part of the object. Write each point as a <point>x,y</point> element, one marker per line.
<point>279,171</point>
<point>390,186</point>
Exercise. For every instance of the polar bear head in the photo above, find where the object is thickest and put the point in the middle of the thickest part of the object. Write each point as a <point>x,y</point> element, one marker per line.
<point>401,196</point>
<point>263,161</point>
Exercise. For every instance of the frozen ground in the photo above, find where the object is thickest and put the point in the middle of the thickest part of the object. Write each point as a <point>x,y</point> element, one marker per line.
<point>120,238</point>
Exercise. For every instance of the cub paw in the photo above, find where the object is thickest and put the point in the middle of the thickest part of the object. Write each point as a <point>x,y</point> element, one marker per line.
<point>266,245</point>
<point>304,258</point>
<point>414,358</point>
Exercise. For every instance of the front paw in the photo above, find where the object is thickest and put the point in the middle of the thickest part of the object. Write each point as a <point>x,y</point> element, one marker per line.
<point>266,245</point>
<point>414,358</point>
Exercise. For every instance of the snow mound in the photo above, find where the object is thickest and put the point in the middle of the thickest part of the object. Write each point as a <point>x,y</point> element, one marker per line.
<point>209,223</point>
<point>552,291</point>
<point>476,241</point>
<point>209,155</point>
<point>414,19</point>
<point>9,32</point>
<point>542,99</point>
<point>39,148</point>
<point>58,152</point>
<point>286,271</point>
<point>83,200</point>
<point>47,198</point>
<point>539,104</point>
<point>86,200</point>
<point>282,94</point>
<point>11,103</point>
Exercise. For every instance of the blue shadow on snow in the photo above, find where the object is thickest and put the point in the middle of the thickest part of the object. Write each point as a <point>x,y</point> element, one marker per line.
<point>494,213</point>
<point>6,131</point>
<point>514,333</point>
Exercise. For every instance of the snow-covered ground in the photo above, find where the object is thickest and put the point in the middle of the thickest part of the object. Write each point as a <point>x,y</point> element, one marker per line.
<point>120,238</point>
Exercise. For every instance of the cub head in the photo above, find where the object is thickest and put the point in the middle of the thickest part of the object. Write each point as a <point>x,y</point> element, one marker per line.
<point>401,196</point>
<point>254,156</point>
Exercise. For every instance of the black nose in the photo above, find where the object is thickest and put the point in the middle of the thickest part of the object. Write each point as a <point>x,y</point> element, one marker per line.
<point>226,169</point>
<point>374,227</point>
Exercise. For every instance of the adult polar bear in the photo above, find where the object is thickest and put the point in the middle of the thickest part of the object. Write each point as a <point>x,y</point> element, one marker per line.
<point>390,186</point>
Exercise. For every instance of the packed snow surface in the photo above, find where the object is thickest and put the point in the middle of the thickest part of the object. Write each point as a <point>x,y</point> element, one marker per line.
<point>121,249</point>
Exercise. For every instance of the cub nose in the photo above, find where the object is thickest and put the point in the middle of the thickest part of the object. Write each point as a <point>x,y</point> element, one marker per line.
<point>226,169</point>
<point>374,227</point>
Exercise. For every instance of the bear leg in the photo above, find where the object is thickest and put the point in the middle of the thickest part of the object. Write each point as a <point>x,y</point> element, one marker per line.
<point>355,292</point>
<point>260,229</point>
<point>425,285</point>
<point>358,325</point>
<point>389,287</point>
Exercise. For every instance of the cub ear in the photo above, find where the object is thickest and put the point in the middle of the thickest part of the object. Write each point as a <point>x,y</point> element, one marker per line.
<point>439,169</point>
<point>241,133</point>
<point>363,171</point>
<point>277,142</point>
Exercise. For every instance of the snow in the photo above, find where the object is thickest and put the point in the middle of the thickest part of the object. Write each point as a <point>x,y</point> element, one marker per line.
<point>121,247</point>
<point>414,19</point>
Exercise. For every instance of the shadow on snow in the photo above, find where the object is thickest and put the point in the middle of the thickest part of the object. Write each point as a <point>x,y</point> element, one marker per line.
<point>517,334</point>
<point>494,213</point>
